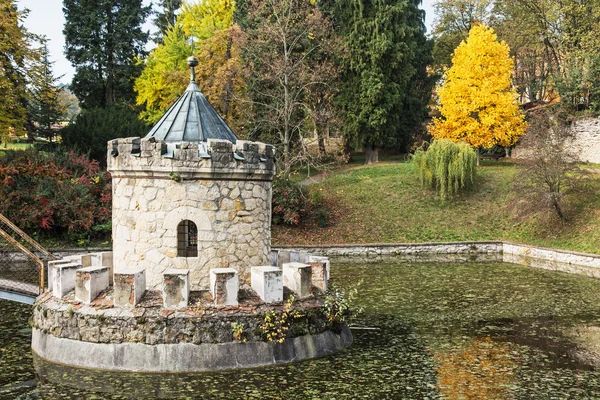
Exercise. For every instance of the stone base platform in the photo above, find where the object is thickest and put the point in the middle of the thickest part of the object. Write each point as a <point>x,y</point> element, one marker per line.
<point>202,337</point>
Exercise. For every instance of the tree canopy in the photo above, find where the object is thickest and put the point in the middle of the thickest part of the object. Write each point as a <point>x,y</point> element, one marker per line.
<point>17,57</point>
<point>103,38</point>
<point>386,57</point>
<point>477,101</point>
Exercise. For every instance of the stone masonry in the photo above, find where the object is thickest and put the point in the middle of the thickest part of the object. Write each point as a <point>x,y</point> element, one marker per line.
<point>227,197</point>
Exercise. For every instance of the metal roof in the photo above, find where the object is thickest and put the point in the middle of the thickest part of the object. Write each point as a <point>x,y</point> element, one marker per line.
<point>191,119</point>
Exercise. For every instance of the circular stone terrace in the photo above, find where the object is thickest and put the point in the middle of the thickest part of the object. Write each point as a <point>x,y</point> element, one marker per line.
<point>200,337</point>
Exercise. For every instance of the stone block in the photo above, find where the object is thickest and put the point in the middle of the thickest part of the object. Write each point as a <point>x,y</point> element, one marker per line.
<point>176,288</point>
<point>63,278</point>
<point>103,259</point>
<point>319,275</point>
<point>89,282</point>
<point>84,259</point>
<point>312,258</point>
<point>298,278</point>
<point>267,281</point>
<point>51,264</point>
<point>224,286</point>
<point>274,258</point>
<point>129,287</point>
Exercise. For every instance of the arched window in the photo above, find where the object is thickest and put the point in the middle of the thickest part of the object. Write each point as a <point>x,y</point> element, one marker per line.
<point>187,239</point>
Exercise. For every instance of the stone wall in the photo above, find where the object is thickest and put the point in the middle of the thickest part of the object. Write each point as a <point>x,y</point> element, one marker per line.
<point>409,252</point>
<point>530,256</point>
<point>229,201</point>
<point>585,144</point>
<point>552,259</point>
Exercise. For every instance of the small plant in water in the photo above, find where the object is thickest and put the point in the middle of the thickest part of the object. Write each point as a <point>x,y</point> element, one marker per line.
<point>276,326</point>
<point>339,306</point>
<point>238,332</point>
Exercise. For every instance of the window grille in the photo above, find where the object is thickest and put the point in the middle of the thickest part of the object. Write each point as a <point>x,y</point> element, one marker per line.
<point>187,239</point>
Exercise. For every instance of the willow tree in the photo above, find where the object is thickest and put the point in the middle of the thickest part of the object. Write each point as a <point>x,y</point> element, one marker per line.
<point>446,166</point>
<point>477,101</point>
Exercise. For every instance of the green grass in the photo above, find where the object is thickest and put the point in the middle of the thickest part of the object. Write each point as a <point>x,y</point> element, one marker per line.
<point>386,204</point>
<point>14,146</point>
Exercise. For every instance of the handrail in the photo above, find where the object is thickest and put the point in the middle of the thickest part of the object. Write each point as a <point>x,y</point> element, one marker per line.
<point>25,250</point>
<point>27,238</point>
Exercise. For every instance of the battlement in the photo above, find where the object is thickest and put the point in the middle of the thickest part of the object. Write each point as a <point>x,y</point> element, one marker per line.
<point>216,159</point>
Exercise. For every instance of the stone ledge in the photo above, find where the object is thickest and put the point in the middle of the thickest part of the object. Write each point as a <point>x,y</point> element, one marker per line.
<point>186,357</point>
<point>485,251</point>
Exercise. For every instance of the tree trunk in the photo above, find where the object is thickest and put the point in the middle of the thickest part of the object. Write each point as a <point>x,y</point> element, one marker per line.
<point>478,155</point>
<point>321,140</point>
<point>371,154</point>
<point>229,84</point>
<point>347,149</point>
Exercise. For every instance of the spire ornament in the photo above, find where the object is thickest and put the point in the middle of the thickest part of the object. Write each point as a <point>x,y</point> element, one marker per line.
<point>192,62</point>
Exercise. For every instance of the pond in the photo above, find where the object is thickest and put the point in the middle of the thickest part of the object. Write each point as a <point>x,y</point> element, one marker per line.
<point>490,331</point>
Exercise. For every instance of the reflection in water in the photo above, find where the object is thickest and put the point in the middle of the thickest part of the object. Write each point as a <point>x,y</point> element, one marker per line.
<point>491,331</point>
<point>482,370</point>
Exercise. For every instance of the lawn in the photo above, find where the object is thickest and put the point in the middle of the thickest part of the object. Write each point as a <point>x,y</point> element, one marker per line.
<point>14,146</point>
<point>386,204</point>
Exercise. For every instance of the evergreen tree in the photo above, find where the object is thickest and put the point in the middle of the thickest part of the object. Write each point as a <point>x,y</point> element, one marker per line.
<point>94,127</point>
<point>103,39</point>
<point>165,18</point>
<point>386,52</point>
<point>16,54</point>
<point>45,106</point>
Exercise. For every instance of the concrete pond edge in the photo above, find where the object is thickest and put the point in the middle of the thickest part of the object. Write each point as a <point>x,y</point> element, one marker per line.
<point>472,251</point>
<point>186,357</point>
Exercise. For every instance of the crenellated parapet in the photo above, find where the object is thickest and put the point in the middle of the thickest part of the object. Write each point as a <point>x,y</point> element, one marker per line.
<point>214,159</point>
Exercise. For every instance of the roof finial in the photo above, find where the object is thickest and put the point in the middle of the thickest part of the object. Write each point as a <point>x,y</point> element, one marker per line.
<point>192,62</point>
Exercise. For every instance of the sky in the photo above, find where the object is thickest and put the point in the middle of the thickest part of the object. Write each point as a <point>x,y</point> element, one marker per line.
<point>46,18</point>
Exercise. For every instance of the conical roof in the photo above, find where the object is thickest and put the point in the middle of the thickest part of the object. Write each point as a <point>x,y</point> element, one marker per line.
<point>191,119</point>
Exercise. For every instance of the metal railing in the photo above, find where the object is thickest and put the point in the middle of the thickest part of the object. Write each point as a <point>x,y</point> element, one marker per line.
<point>22,260</point>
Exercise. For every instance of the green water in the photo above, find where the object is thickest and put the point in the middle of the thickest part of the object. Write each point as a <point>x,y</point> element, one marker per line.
<point>491,331</point>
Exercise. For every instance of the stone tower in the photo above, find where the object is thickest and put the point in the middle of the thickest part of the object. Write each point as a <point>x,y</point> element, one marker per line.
<point>190,195</point>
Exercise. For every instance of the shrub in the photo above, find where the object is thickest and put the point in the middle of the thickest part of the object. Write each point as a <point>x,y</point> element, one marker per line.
<point>60,192</point>
<point>550,174</point>
<point>94,127</point>
<point>446,166</point>
<point>289,202</point>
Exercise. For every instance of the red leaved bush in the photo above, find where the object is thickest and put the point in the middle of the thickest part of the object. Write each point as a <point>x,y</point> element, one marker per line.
<point>64,192</point>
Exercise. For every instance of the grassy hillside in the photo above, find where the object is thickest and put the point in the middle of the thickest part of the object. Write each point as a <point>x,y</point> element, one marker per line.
<point>386,204</point>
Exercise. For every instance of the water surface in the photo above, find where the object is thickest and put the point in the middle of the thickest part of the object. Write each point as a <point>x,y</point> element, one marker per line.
<point>492,331</point>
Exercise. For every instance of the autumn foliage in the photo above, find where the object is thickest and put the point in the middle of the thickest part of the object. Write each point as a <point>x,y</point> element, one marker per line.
<point>65,193</point>
<point>477,101</point>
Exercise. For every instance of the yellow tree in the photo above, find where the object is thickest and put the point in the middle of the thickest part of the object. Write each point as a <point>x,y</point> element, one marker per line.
<point>217,45</point>
<point>477,101</point>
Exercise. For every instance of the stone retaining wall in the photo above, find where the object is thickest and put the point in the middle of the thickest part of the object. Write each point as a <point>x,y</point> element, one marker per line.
<point>552,259</point>
<point>531,256</point>
<point>408,252</point>
<point>584,144</point>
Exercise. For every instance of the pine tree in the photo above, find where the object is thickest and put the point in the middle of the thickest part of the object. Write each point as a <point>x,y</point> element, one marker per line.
<point>103,39</point>
<point>477,101</point>
<point>386,52</point>
<point>165,19</point>
<point>45,106</point>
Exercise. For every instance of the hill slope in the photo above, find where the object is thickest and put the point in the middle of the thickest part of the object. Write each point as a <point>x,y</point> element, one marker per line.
<point>386,204</point>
